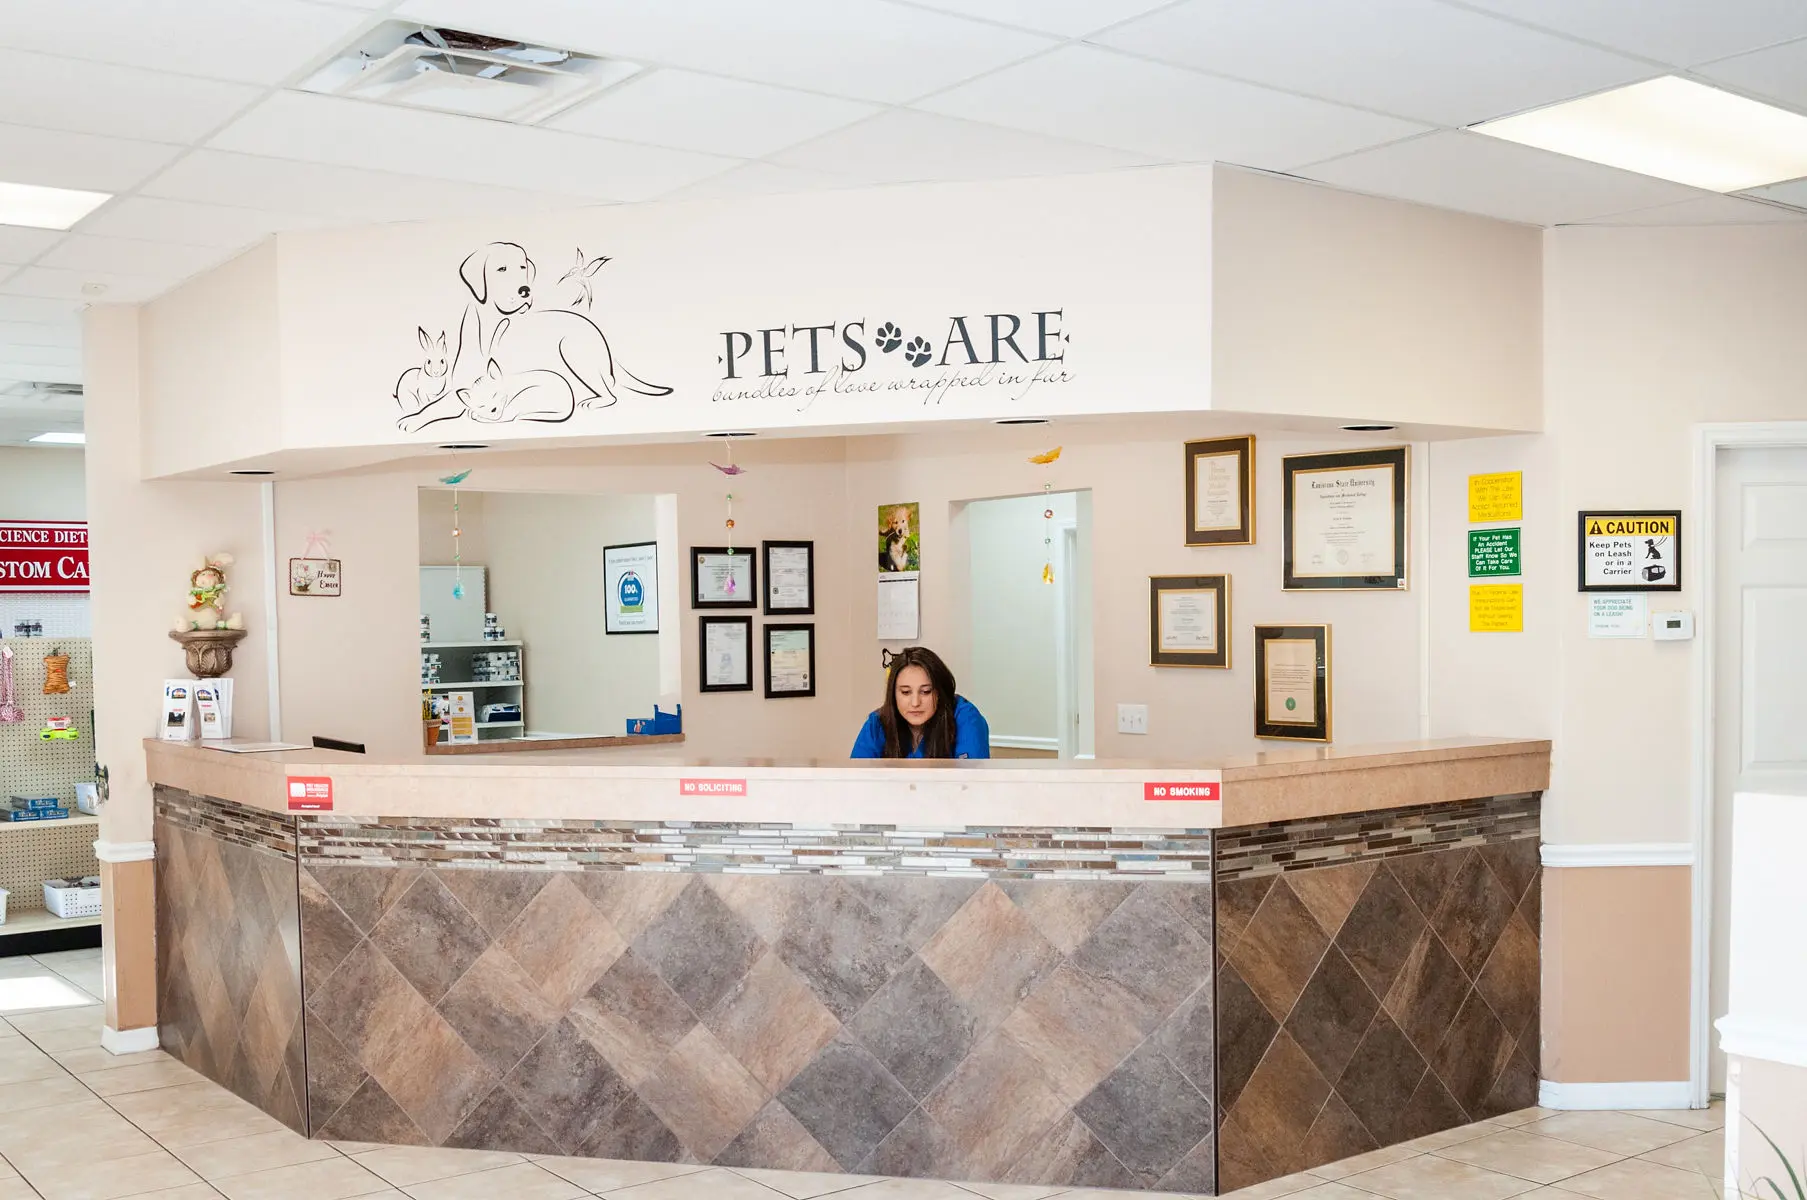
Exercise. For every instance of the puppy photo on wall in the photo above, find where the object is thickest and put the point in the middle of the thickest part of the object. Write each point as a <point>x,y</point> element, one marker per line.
<point>899,548</point>
<point>513,361</point>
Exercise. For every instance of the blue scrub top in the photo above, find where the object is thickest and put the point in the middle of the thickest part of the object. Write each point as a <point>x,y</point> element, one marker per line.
<point>972,736</point>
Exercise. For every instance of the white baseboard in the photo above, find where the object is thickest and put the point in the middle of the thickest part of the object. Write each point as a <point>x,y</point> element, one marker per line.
<point>1677,1093</point>
<point>1619,854</point>
<point>128,1041</point>
<point>1011,742</point>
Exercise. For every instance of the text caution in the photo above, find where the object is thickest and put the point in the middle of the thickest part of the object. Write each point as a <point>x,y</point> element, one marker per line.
<point>1181,791</point>
<point>310,793</point>
<point>712,787</point>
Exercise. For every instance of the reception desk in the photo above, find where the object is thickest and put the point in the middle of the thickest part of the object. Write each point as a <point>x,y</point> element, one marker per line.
<point>1187,977</point>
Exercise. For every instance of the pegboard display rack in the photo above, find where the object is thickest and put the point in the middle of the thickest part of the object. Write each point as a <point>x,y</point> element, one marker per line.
<point>33,851</point>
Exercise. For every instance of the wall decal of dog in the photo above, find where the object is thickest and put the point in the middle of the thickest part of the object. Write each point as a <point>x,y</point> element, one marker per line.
<point>506,348</point>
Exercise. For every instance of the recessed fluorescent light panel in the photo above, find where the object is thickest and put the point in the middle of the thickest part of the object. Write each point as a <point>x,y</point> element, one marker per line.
<point>62,439</point>
<point>1673,129</point>
<point>46,207</point>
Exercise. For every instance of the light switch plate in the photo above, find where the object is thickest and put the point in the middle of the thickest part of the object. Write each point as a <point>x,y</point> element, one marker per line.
<point>1132,718</point>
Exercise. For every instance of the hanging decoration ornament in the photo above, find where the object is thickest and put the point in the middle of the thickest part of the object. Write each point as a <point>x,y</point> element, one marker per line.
<point>453,481</point>
<point>729,470</point>
<point>1047,459</point>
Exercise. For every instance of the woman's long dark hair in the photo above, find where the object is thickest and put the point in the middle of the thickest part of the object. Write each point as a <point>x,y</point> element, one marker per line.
<point>938,733</point>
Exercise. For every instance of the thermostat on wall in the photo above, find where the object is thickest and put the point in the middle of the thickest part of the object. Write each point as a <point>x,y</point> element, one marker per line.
<point>1672,626</point>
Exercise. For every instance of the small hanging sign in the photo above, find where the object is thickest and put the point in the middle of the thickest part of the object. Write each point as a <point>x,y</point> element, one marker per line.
<point>313,577</point>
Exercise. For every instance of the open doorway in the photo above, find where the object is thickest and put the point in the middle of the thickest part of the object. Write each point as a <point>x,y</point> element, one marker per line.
<point>1030,607</point>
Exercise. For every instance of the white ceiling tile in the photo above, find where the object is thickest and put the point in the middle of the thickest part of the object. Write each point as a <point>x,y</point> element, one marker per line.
<point>763,179</point>
<point>251,41</point>
<point>1165,112</point>
<point>68,334</point>
<point>88,97</point>
<point>356,133</point>
<point>337,195</point>
<point>1708,210</point>
<point>155,219</point>
<point>49,283</point>
<point>903,146</point>
<point>1683,32</point>
<point>1793,192</point>
<point>710,114</point>
<point>1499,179</point>
<point>77,160</point>
<point>1414,58</point>
<point>131,256</point>
<point>35,311</point>
<point>1779,72</point>
<point>20,245</point>
<point>866,49</point>
<point>1067,18</point>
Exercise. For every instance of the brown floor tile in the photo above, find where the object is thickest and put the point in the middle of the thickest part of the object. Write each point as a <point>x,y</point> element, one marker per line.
<point>1635,1179</point>
<point>404,1166</point>
<point>1432,1178</point>
<point>1614,1132</point>
<point>328,1179</point>
<point>1540,1159</point>
<point>805,1185</point>
<point>716,1183</point>
<point>603,1175</point>
<point>1702,1119</point>
<point>90,1180</point>
<point>522,1181</point>
<point>258,1152</point>
<point>1704,1155</point>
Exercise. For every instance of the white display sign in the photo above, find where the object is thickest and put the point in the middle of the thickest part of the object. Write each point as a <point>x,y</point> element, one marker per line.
<point>1618,616</point>
<point>630,587</point>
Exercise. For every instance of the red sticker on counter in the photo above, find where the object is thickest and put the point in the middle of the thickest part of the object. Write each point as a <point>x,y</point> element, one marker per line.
<point>310,793</point>
<point>1180,791</point>
<point>712,787</point>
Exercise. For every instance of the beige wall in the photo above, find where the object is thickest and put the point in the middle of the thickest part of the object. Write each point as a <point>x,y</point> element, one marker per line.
<point>1772,1097</point>
<point>41,484</point>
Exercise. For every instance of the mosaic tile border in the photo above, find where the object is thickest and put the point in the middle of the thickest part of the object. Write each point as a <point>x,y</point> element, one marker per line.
<point>1282,846</point>
<point>764,848</point>
<point>229,822</point>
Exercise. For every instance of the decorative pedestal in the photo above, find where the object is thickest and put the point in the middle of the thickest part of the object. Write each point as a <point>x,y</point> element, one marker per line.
<point>208,651</point>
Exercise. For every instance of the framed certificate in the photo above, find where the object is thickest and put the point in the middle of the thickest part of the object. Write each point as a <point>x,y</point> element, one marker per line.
<point>1292,682</point>
<point>1189,620</point>
<point>1345,520</point>
<point>630,588</point>
<point>1630,551</point>
<point>1220,492</point>
<point>790,578</point>
<point>790,661</point>
<point>723,578</point>
<point>725,652</point>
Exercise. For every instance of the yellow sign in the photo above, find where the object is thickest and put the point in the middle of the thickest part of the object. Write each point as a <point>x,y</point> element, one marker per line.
<point>1606,525</point>
<point>1496,608</point>
<point>1498,497</point>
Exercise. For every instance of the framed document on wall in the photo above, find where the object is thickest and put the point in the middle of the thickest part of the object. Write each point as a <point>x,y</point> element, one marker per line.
<point>725,653</point>
<point>1345,522</point>
<point>790,661</point>
<point>790,578</point>
<point>723,578</point>
<point>630,587</point>
<point>1630,551</point>
<point>1220,492</point>
<point>1189,620</point>
<point>1292,682</point>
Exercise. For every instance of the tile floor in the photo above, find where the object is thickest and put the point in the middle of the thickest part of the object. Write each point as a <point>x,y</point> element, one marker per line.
<point>77,1123</point>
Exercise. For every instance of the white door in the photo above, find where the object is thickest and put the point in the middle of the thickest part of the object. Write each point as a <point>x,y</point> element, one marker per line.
<point>1760,656</point>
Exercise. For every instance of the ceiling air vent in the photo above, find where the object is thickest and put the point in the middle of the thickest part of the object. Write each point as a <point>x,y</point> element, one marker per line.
<point>471,74</point>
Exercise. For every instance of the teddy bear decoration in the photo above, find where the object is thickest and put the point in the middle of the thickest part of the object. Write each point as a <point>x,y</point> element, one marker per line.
<point>206,597</point>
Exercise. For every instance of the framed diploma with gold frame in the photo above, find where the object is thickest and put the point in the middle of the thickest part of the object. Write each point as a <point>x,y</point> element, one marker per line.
<point>1345,520</point>
<point>1189,620</point>
<point>1220,492</point>
<point>1292,682</point>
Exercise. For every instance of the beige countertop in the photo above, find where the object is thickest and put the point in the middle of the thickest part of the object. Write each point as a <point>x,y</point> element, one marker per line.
<point>654,784</point>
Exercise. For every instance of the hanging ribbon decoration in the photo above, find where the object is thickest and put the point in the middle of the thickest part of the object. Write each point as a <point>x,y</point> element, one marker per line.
<point>457,533</point>
<point>1047,459</point>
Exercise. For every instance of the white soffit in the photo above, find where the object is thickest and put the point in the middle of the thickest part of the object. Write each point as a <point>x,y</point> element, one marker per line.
<point>863,49</point>
<point>763,179</point>
<point>51,158</point>
<point>251,41</point>
<point>1498,179</point>
<point>1064,18</point>
<point>1419,59</point>
<point>32,310</point>
<point>1682,32</point>
<point>20,245</point>
<point>903,146</point>
<point>709,114</point>
<point>1779,72</point>
<point>66,336</point>
<point>1708,210</point>
<point>86,97</point>
<point>434,145</point>
<point>154,219</point>
<point>1164,112</point>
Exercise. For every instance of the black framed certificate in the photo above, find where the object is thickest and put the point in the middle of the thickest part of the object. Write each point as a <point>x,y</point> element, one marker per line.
<point>790,661</point>
<point>1345,520</point>
<point>1189,620</point>
<point>1220,492</point>
<point>790,578</point>
<point>1292,682</point>
<point>723,578</point>
<point>725,653</point>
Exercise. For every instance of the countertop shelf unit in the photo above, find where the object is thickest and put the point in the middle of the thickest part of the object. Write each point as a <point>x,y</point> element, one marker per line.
<point>455,663</point>
<point>468,645</point>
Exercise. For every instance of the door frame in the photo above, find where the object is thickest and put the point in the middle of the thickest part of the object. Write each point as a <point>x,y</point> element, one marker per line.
<point>1709,440</point>
<point>1064,552</point>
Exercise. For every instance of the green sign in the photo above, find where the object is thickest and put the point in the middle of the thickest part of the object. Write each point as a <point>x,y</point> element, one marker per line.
<point>1492,552</point>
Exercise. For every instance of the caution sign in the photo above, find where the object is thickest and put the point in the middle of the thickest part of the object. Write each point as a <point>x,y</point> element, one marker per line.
<point>1631,551</point>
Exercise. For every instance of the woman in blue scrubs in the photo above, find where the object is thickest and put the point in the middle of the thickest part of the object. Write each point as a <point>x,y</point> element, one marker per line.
<point>922,716</point>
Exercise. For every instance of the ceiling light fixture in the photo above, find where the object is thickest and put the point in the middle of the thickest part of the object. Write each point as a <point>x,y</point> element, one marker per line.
<point>62,439</point>
<point>1669,128</point>
<point>465,446</point>
<point>253,472</point>
<point>733,433</point>
<point>1021,421</point>
<point>1369,428</point>
<point>46,207</point>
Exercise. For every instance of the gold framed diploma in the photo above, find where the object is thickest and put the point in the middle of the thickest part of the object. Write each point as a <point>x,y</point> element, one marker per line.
<point>1292,682</point>
<point>1220,492</point>
<point>1189,620</point>
<point>1345,517</point>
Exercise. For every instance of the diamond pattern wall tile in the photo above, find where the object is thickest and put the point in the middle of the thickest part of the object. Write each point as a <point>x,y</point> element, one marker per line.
<point>847,1101</point>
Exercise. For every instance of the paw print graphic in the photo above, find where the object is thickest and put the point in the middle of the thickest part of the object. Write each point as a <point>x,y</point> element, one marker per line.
<point>918,351</point>
<point>889,337</point>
